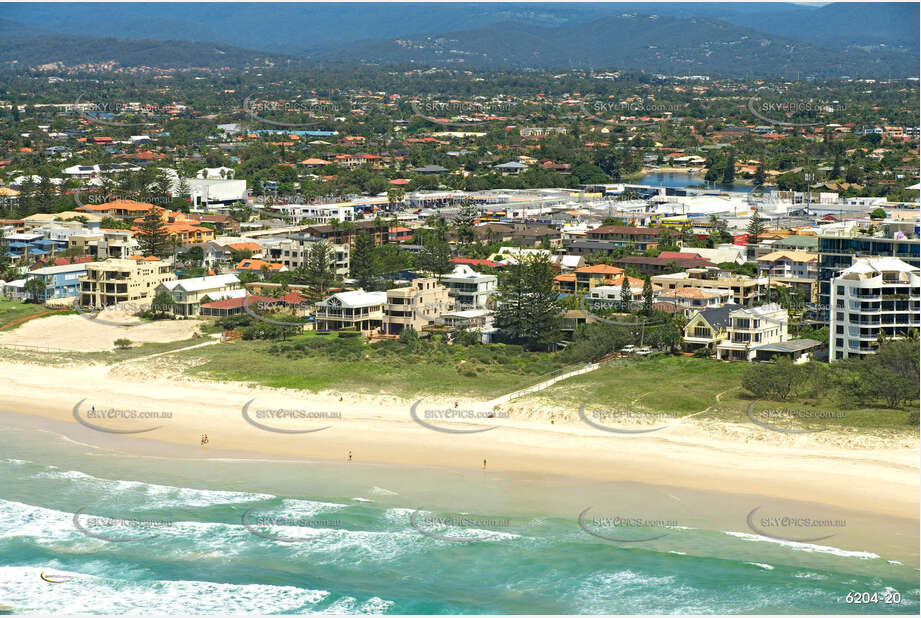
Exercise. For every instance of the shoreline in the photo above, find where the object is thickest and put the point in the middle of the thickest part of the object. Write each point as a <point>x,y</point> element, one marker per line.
<point>380,429</point>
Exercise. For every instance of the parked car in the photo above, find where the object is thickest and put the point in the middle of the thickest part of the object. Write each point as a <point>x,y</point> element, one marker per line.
<point>628,349</point>
<point>644,351</point>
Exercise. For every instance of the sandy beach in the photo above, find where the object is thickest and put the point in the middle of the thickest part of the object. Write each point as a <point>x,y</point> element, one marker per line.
<point>880,477</point>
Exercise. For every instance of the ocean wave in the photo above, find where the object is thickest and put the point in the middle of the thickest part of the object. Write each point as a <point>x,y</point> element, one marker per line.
<point>764,566</point>
<point>158,496</point>
<point>807,547</point>
<point>23,589</point>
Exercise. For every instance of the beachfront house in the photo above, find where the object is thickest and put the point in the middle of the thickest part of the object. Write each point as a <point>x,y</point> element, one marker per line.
<point>189,294</point>
<point>707,327</point>
<point>61,282</point>
<point>751,328</point>
<point>469,288</point>
<point>357,309</point>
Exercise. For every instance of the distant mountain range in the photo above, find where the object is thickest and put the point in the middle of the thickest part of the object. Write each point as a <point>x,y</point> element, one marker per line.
<point>865,39</point>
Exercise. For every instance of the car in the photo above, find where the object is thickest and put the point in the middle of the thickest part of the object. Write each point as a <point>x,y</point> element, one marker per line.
<point>628,349</point>
<point>644,351</point>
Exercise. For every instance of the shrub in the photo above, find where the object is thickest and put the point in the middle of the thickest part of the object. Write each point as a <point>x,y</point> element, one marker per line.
<point>122,344</point>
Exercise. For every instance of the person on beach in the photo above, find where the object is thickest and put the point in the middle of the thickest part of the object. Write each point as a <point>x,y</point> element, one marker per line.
<point>350,456</point>
<point>484,464</point>
<point>204,441</point>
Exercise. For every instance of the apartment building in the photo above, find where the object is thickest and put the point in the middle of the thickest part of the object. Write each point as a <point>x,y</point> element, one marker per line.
<point>622,235</point>
<point>797,269</point>
<point>873,297</point>
<point>745,290</point>
<point>750,328</point>
<point>840,244</point>
<point>294,251</point>
<point>358,309</point>
<point>131,280</point>
<point>318,213</point>
<point>468,288</point>
<point>416,305</point>
<point>189,294</point>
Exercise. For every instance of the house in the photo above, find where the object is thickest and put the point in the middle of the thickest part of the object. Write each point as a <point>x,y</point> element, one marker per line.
<point>188,294</point>
<point>261,267</point>
<point>511,168</point>
<point>121,209</point>
<point>745,290</point>
<point>60,281</point>
<point>415,306</point>
<point>355,309</point>
<point>659,265</point>
<point>430,169</point>
<point>796,269</point>
<point>642,238</point>
<point>707,327</point>
<point>468,288</point>
<point>573,319</point>
<point>236,306</point>
<point>693,299</point>
<point>873,297</point>
<point>610,293</point>
<point>588,277</point>
<point>750,328</point>
<point>118,281</point>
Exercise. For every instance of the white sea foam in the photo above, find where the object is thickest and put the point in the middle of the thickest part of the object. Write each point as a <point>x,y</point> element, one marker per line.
<point>808,547</point>
<point>766,567</point>
<point>23,589</point>
<point>158,496</point>
<point>380,491</point>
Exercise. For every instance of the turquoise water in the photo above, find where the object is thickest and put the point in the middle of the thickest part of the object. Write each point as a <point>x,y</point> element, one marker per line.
<point>365,555</point>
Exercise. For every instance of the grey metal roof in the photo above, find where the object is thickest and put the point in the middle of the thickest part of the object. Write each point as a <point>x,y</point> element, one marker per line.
<point>796,345</point>
<point>719,316</point>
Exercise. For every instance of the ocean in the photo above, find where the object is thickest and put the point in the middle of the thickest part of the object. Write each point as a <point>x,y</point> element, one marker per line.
<point>87,530</point>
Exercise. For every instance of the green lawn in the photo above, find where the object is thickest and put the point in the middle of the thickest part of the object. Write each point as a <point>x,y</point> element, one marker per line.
<point>12,310</point>
<point>383,367</point>
<point>678,386</point>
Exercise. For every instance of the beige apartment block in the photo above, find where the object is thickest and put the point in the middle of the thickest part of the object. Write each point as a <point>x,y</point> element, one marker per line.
<point>115,281</point>
<point>416,305</point>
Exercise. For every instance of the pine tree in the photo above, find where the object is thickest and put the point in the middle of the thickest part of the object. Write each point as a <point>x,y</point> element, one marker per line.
<point>527,309</point>
<point>152,236</point>
<point>362,263</point>
<point>729,173</point>
<point>758,180</point>
<point>756,228</point>
<point>647,296</point>
<point>319,269</point>
<point>435,256</point>
<point>626,295</point>
<point>464,222</point>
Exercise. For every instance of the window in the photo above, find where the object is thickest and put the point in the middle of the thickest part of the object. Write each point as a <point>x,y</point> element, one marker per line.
<point>840,290</point>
